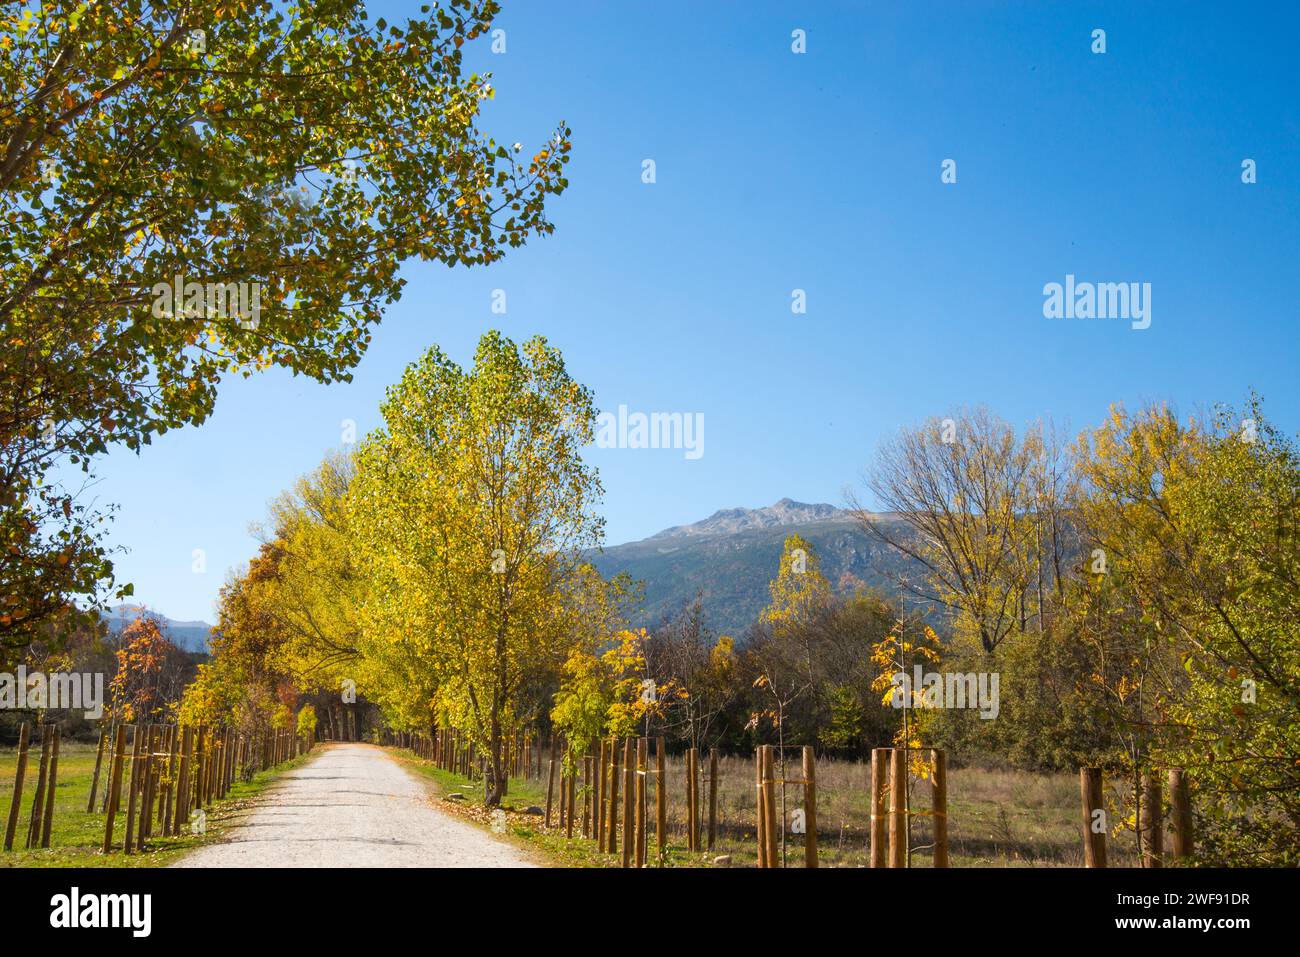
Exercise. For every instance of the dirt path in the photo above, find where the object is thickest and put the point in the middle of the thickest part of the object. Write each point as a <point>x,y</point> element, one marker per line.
<point>353,806</point>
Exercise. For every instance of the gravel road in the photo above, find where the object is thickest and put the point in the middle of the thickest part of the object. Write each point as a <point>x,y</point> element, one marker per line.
<point>353,806</point>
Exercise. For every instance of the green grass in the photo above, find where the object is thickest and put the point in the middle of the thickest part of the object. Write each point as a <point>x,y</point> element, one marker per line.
<point>997,818</point>
<point>523,830</point>
<point>76,838</point>
<point>529,830</point>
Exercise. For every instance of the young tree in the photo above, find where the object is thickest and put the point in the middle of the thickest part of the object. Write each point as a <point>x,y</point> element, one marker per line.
<point>603,691</point>
<point>318,586</point>
<point>151,673</point>
<point>783,647</point>
<point>849,717</point>
<point>683,654</point>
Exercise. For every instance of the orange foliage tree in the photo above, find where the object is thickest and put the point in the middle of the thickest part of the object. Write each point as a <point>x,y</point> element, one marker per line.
<point>150,673</point>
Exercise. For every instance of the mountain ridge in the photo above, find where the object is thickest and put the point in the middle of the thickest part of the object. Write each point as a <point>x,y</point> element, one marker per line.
<point>730,557</point>
<point>730,520</point>
<point>188,635</point>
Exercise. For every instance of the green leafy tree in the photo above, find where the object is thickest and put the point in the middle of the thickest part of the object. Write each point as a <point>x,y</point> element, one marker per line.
<point>847,718</point>
<point>307,720</point>
<point>318,586</point>
<point>472,506</point>
<point>784,650</point>
<point>274,164</point>
<point>1197,523</point>
<point>604,691</point>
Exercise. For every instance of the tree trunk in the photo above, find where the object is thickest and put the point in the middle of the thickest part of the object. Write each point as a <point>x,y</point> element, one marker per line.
<point>494,779</point>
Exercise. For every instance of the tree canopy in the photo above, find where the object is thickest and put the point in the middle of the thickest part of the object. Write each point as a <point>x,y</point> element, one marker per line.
<point>161,161</point>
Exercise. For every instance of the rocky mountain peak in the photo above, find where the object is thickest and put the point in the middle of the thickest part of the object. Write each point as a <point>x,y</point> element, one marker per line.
<point>728,521</point>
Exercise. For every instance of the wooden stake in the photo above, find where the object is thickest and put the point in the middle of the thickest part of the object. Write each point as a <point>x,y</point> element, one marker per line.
<point>661,802</point>
<point>182,815</point>
<point>228,756</point>
<point>939,809</point>
<point>114,786</point>
<point>200,758</point>
<point>641,747</point>
<point>761,827</point>
<point>38,803</point>
<point>612,843</point>
<point>1180,814</point>
<point>163,775</point>
<point>602,779</point>
<point>48,818</point>
<point>550,781</point>
<point>173,741</point>
<point>713,796</point>
<point>133,788</point>
<point>898,808</point>
<point>572,778</point>
<point>564,800</point>
<point>94,781</point>
<point>11,826</point>
<point>147,783</point>
<point>1094,824</point>
<point>1150,822</point>
<point>692,805</point>
<point>586,795</point>
<point>769,803</point>
<point>879,762</point>
<point>809,807</point>
<point>108,771</point>
<point>629,795</point>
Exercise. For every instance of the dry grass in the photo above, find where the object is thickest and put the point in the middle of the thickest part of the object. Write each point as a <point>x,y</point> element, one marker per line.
<point>998,818</point>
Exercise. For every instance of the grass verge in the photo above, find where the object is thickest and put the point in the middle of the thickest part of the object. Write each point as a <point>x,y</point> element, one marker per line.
<point>529,831</point>
<point>76,838</point>
<point>997,818</point>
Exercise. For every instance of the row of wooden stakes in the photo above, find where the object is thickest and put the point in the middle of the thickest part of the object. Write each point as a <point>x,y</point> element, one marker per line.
<point>41,818</point>
<point>171,771</point>
<point>615,767</point>
<point>890,805</point>
<point>1150,822</point>
<point>891,808</point>
<point>454,751</point>
<point>599,814</point>
<point>446,749</point>
<point>889,782</point>
<point>602,782</point>
<point>601,803</point>
<point>615,793</point>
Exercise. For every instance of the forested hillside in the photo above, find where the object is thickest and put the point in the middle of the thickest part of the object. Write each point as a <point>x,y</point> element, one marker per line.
<point>729,559</point>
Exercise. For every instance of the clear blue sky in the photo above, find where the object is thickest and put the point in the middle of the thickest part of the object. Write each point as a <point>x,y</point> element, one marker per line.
<point>821,171</point>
